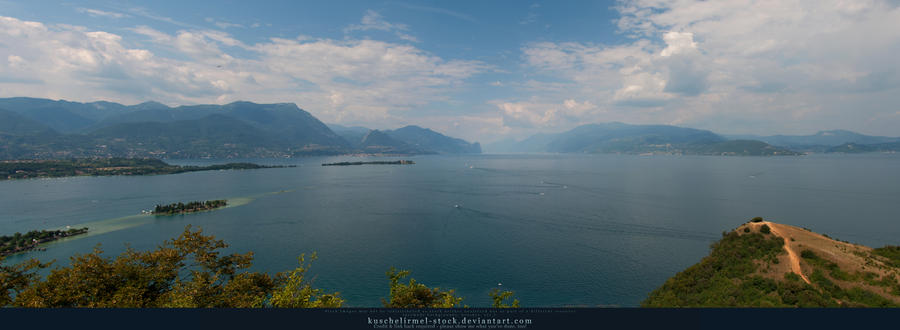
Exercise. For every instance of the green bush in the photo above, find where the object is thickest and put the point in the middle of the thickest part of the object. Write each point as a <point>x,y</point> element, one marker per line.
<point>765,229</point>
<point>891,252</point>
<point>791,276</point>
<point>499,297</point>
<point>417,295</point>
<point>757,219</point>
<point>746,229</point>
<point>807,254</point>
<point>711,283</point>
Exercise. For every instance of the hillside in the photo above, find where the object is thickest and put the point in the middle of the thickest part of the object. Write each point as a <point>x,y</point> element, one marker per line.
<point>642,139</point>
<point>378,142</point>
<point>12,123</point>
<point>766,264</point>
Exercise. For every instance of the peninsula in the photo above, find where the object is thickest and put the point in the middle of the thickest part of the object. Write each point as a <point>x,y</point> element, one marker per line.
<point>397,162</point>
<point>24,169</point>
<point>29,241</point>
<point>767,264</point>
<point>191,207</point>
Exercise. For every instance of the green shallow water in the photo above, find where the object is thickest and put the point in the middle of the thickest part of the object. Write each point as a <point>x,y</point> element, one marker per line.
<point>559,230</point>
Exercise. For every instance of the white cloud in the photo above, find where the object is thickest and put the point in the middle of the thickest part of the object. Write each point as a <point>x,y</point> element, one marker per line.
<point>101,13</point>
<point>361,80</point>
<point>226,25</point>
<point>372,20</point>
<point>678,43</point>
<point>720,64</point>
<point>536,115</point>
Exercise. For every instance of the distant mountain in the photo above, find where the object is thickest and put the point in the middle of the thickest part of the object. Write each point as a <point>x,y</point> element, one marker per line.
<point>62,116</point>
<point>855,148</point>
<point>820,140</point>
<point>352,134</point>
<point>12,123</point>
<point>415,139</point>
<point>151,129</point>
<point>216,136</point>
<point>284,120</point>
<point>378,142</point>
<point>638,139</point>
<point>431,141</point>
<point>41,128</point>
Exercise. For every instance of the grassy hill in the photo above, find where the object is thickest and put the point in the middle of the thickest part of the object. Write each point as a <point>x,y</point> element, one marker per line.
<point>765,264</point>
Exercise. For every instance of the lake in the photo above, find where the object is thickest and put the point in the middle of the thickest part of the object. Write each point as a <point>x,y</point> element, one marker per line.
<point>559,230</point>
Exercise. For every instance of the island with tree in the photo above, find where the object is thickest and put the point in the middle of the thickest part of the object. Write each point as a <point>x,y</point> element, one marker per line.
<point>190,207</point>
<point>29,241</point>
<point>25,169</point>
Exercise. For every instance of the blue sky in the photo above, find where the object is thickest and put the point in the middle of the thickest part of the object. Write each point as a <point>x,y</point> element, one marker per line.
<point>481,70</point>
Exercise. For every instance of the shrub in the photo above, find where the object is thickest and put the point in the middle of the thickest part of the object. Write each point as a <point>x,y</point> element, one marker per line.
<point>807,254</point>
<point>746,229</point>
<point>791,276</point>
<point>499,299</point>
<point>757,219</point>
<point>892,253</point>
<point>765,229</point>
<point>417,295</point>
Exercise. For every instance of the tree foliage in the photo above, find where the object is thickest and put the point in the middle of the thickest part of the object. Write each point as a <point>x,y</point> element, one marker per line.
<point>417,295</point>
<point>189,271</point>
<point>295,291</point>
<point>499,298</point>
<point>16,278</point>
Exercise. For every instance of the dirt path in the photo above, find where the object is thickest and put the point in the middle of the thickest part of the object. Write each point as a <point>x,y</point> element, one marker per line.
<point>795,260</point>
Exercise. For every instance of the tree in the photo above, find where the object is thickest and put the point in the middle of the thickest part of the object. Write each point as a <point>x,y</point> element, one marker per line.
<point>417,295</point>
<point>16,278</point>
<point>294,291</point>
<point>188,271</point>
<point>498,297</point>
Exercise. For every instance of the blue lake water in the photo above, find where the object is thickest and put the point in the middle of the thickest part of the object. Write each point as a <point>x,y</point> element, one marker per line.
<point>559,230</point>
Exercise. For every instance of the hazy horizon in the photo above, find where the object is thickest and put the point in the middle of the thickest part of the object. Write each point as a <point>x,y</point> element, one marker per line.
<point>482,71</point>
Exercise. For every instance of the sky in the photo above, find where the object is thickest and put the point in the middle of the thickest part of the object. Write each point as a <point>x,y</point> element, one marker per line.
<point>480,70</point>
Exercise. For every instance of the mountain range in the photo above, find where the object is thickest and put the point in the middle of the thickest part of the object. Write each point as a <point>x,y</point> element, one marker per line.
<point>828,141</point>
<point>41,128</point>
<point>640,139</point>
<point>618,137</point>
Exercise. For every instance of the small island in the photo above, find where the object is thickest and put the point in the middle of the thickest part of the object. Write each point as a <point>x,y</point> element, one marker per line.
<point>25,169</point>
<point>396,162</point>
<point>30,240</point>
<point>191,207</point>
